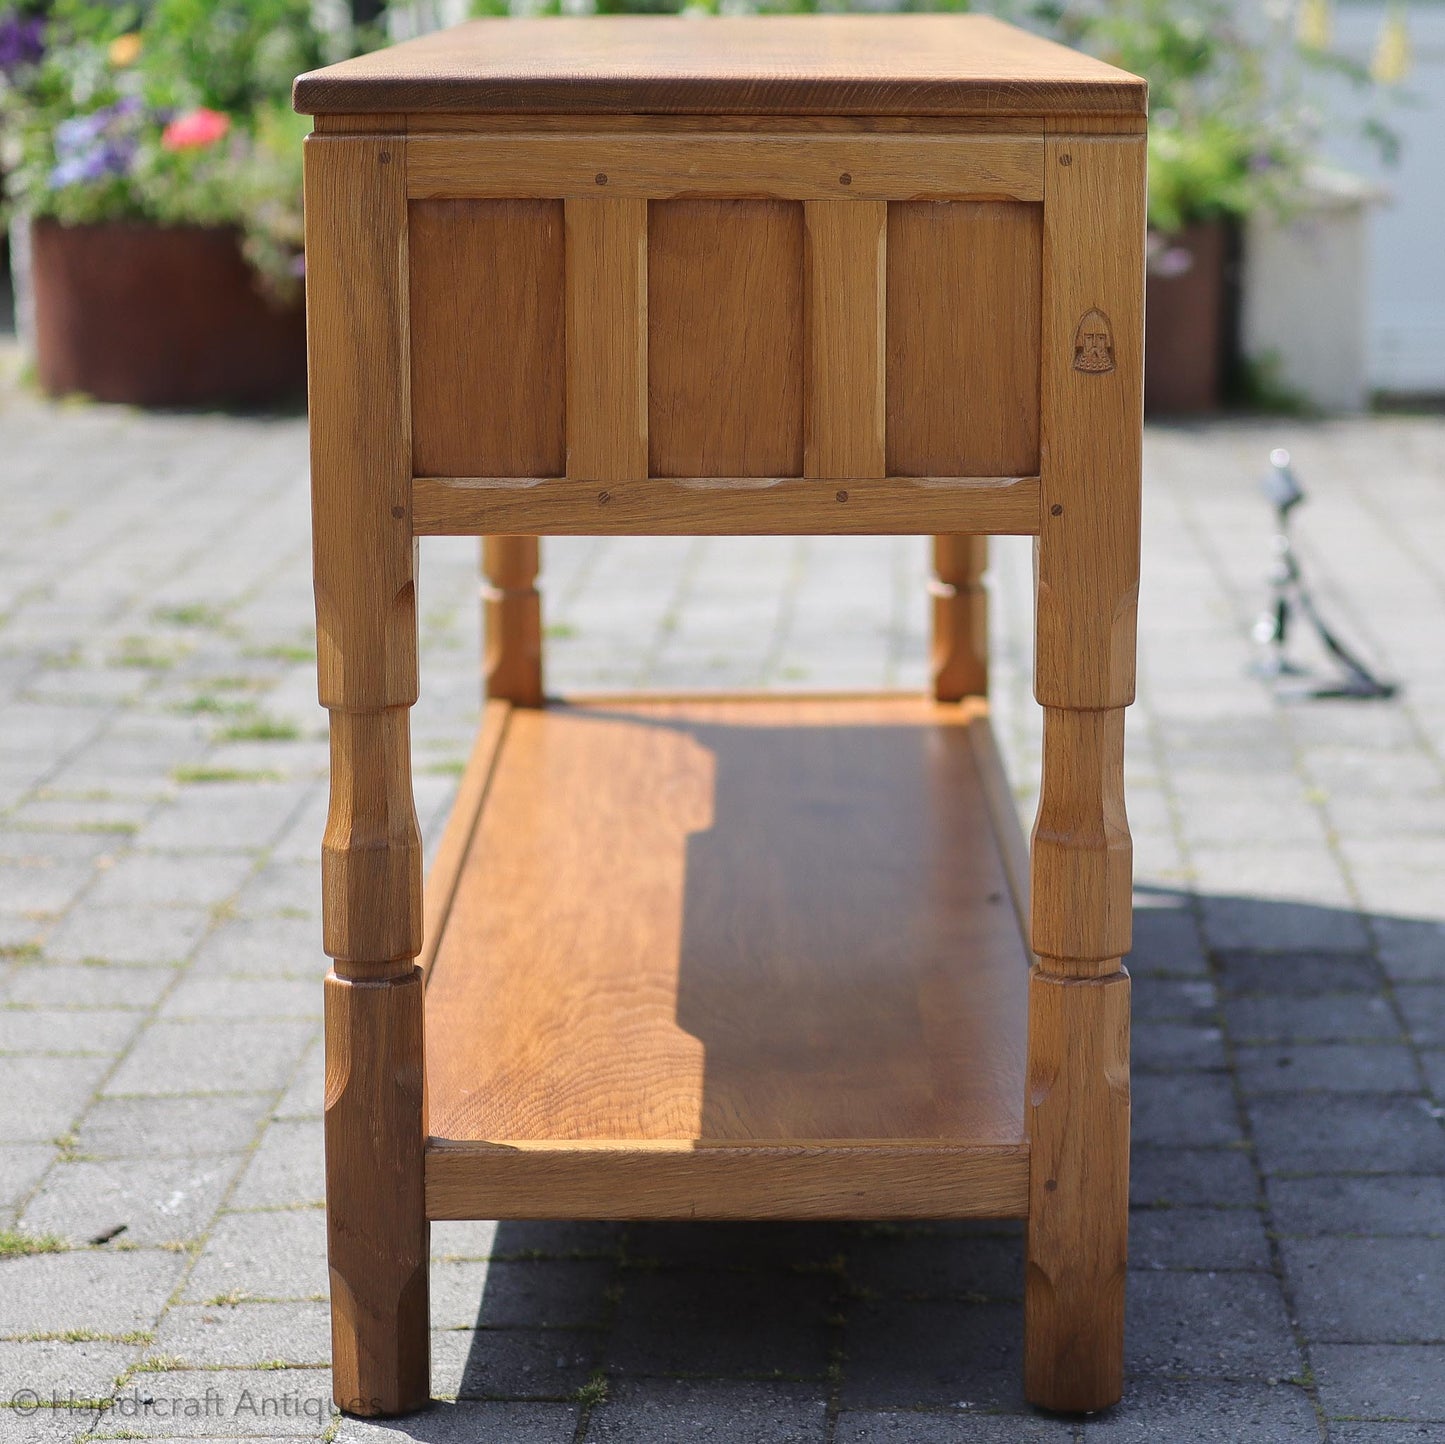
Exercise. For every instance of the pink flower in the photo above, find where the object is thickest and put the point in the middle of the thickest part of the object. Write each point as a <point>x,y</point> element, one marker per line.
<point>195,130</point>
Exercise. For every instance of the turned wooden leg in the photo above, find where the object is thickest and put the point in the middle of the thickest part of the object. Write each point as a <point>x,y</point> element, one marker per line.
<point>371,857</point>
<point>512,620</point>
<point>1087,569</point>
<point>960,618</point>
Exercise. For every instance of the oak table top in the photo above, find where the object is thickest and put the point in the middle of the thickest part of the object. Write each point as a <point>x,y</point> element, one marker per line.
<point>840,65</point>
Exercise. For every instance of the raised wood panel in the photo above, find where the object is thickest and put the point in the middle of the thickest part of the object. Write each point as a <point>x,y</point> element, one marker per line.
<point>725,329</point>
<point>963,338</point>
<point>487,338</point>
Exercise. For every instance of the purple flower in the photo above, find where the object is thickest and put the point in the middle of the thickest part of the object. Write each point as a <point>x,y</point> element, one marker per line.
<point>22,41</point>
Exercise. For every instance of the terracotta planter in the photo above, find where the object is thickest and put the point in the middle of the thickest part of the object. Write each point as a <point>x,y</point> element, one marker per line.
<point>160,316</point>
<point>1187,326</point>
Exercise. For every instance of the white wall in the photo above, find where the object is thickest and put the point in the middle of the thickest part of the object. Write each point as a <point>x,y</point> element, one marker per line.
<point>1406,299</point>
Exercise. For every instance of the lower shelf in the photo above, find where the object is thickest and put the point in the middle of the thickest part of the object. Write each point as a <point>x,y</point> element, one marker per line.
<point>728,959</point>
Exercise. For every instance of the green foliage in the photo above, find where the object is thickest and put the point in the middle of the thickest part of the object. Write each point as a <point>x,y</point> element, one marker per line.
<point>90,124</point>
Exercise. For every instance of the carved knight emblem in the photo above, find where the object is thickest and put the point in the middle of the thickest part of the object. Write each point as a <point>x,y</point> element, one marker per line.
<point>1094,343</point>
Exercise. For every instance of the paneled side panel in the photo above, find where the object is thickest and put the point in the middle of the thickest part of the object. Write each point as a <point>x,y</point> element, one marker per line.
<point>488,342</point>
<point>725,338</point>
<point>964,283</point>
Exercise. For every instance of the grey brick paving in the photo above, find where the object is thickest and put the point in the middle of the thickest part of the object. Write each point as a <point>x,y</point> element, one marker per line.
<point>159,952</point>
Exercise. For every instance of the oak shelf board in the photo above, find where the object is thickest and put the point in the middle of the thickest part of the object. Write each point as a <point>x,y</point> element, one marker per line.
<point>730,958</point>
<point>838,65</point>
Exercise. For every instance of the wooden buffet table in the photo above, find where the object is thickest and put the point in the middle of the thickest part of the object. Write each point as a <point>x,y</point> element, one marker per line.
<point>743,957</point>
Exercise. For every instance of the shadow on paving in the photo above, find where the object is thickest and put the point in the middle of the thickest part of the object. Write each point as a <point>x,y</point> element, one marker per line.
<point>1283,1123</point>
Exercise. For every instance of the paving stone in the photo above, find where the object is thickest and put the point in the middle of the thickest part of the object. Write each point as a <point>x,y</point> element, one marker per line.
<point>1381,1381</point>
<point>1218,1177</point>
<point>41,885</point>
<point>268,946</point>
<point>1339,1017</point>
<point>1207,1326</point>
<point>288,1168</point>
<point>21,1167</point>
<point>102,1290</point>
<point>1395,1432</point>
<point>210,1057</point>
<point>1166,939</point>
<point>1368,1290</point>
<point>537,1294</point>
<point>733,1246</point>
<point>469,1423</point>
<point>1197,1238</point>
<point>272,1403</point>
<point>1300,973</point>
<point>1188,1110</point>
<point>239,1335</point>
<point>1327,1067</point>
<point>1160,1411</point>
<point>1344,1133</point>
<point>289,888</point>
<point>712,1412</point>
<point>548,1238</point>
<point>694,1323</point>
<point>1411,949</point>
<point>1163,1047</point>
<point>1382,1206</point>
<point>1424,1013</point>
<point>235,816</point>
<point>261,1256</point>
<point>91,985</point>
<point>306,1095</point>
<point>866,1426</point>
<point>201,996</point>
<point>156,1200</point>
<point>45,1426</point>
<point>932,1353</point>
<point>925,1266</point>
<point>454,1239</point>
<point>171,1127</point>
<point>40,1098</point>
<point>512,1363</point>
<point>52,1367</point>
<point>128,934</point>
<point>1186,1000</point>
<point>66,1030</point>
<point>1277,926</point>
<point>171,879</point>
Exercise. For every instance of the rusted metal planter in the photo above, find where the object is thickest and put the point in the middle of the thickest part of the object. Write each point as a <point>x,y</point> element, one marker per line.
<point>160,316</point>
<point>1187,321</point>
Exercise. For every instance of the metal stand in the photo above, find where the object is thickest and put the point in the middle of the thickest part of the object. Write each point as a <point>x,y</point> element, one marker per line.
<point>1271,631</point>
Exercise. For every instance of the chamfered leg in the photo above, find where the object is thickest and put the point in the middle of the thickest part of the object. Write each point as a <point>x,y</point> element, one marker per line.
<point>377,1233</point>
<point>1087,555</point>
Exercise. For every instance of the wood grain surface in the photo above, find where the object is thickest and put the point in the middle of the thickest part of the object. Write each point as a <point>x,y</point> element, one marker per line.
<point>737,506</point>
<point>780,167</point>
<point>488,349</point>
<point>845,371</point>
<point>835,64</point>
<point>725,306</point>
<point>963,326</point>
<point>1078,1233</point>
<point>771,922</point>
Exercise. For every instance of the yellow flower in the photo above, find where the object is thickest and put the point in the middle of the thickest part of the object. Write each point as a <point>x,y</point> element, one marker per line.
<point>1391,62</point>
<point>1315,25</point>
<point>124,50</point>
